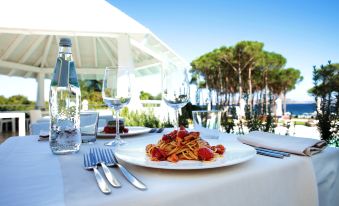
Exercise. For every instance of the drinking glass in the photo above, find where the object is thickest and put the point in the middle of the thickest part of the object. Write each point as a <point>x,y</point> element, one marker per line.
<point>207,123</point>
<point>116,93</point>
<point>175,90</point>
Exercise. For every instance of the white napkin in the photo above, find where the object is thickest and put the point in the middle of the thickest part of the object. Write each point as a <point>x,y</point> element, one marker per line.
<point>295,145</point>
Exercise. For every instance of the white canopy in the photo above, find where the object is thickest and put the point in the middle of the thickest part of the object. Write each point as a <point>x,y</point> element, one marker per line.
<point>102,35</point>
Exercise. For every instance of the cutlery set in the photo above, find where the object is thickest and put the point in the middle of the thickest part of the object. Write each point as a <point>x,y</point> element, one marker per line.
<point>271,153</point>
<point>156,130</point>
<point>106,158</point>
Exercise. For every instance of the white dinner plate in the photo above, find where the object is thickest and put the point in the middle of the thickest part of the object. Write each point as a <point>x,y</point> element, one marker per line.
<point>134,153</point>
<point>132,131</point>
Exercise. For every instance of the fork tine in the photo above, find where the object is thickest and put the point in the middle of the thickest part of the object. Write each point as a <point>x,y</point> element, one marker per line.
<point>86,160</point>
<point>108,156</point>
<point>97,156</point>
<point>113,156</point>
<point>92,158</point>
<point>103,157</point>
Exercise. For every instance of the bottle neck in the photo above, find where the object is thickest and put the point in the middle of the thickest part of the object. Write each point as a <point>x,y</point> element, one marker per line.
<point>65,53</point>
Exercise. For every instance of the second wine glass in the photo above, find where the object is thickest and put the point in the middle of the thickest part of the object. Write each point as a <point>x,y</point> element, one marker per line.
<point>116,93</point>
<point>175,91</point>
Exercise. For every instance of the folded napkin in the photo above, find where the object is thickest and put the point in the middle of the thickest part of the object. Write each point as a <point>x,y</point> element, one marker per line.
<point>295,145</point>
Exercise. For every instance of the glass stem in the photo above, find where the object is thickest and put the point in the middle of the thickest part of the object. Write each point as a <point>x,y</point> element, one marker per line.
<point>117,135</point>
<point>176,124</point>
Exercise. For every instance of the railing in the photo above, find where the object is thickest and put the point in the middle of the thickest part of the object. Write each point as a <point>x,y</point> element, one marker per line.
<point>151,103</point>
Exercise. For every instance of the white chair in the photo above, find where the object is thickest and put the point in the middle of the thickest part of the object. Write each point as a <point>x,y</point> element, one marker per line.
<point>36,127</point>
<point>6,121</point>
<point>34,115</point>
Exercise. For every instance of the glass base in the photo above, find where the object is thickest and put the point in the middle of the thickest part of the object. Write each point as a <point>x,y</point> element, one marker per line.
<point>115,142</point>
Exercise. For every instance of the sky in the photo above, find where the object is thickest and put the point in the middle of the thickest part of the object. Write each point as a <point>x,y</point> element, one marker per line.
<point>305,32</point>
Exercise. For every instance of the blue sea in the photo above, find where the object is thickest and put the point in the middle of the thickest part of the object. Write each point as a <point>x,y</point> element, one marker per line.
<point>298,109</point>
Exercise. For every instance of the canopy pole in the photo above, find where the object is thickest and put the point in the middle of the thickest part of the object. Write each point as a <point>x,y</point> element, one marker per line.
<point>40,102</point>
<point>125,59</point>
<point>167,112</point>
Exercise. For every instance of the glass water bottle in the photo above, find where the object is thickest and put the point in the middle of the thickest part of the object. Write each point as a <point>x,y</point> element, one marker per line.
<point>64,103</point>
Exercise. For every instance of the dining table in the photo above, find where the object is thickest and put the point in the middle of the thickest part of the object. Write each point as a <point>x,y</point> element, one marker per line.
<point>31,175</point>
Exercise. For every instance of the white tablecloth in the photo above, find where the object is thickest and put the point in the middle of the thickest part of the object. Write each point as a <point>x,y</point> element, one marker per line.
<point>31,175</point>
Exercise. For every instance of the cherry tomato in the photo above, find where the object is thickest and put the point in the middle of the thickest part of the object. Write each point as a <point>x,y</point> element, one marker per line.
<point>182,133</point>
<point>167,138</point>
<point>173,134</point>
<point>125,130</point>
<point>205,154</point>
<point>109,129</point>
<point>220,149</point>
<point>158,154</point>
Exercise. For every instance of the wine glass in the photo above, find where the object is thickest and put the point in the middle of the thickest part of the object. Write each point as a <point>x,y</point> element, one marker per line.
<point>116,93</point>
<point>175,90</point>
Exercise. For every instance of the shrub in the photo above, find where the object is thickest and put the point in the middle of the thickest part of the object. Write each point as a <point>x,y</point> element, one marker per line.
<point>136,118</point>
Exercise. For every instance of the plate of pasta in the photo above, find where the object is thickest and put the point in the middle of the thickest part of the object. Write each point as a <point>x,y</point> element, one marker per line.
<point>183,150</point>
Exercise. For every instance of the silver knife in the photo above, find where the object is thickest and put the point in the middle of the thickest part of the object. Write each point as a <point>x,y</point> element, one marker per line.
<point>270,154</point>
<point>129,176</point>
<point>286,154</point>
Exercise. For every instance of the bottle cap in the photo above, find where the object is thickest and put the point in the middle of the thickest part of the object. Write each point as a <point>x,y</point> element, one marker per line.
<point>66,42</point>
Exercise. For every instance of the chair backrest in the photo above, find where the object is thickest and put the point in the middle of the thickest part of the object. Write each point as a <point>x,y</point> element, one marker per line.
<point>37,127</point>
<point>35,115</point>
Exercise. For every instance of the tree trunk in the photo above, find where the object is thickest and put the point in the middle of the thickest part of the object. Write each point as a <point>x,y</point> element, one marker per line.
<point>266,92</point>
<point>285,107</point>
<point>233,98</point>
<point>239,78</point>
<point>262,102</point>
<point>240,84</point>
<point>274,106</point>
<point>250,89</point>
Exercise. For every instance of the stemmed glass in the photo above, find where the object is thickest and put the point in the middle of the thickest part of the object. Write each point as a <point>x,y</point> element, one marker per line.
<point>175,90</point>
<point>116,93</point>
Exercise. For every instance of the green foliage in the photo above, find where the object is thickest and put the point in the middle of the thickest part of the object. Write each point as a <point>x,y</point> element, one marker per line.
<point>167,123</point>
<point>148,96</point>
<point>326,87</point>
<point>15,103</point>
<point>91,91</point>
<point>135,118</point>
<point>257,121</point>
<point>3,103</point>
<point>254,120</point>
<point>270,121</point>
<point>227,122</point>
<point>244,69</point>
<point>186,114</point>
<point>300,123</point>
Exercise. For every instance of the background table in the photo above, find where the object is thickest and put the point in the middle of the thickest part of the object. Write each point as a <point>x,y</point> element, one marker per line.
<point>31,175</point>
<point>21,116</point>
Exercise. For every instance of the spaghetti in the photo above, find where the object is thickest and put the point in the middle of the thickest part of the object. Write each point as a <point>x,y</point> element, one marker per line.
<point>183,145</point>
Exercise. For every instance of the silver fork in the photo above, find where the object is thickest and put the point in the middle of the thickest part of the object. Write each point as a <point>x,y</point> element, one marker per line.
<point>90,164</point>
<point>101,160</point>
<point>112,161</point>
